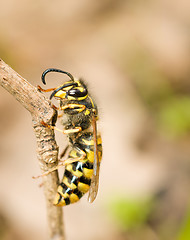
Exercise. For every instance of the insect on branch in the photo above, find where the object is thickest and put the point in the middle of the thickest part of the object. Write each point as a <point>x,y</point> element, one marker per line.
<point>47,150</point>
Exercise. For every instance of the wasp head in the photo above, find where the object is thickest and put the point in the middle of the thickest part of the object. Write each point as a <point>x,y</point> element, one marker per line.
<point>71,90</point>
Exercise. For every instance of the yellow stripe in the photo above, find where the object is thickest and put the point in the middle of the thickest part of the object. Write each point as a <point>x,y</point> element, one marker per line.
<point>90,156</point>
<point>87,112</point>
<point>60,94</point>
<point>60,190</point>
<point>76,173</point>
<point>73,198</point>
<point>56,201</point>
<point>74,98</point>
<point>73,154</point>
<point>87,172</point>
<point>88,142</point>
<point>99,140</point>
<point>71,186</point>
<point>100,156</point>
<point>83,187</point>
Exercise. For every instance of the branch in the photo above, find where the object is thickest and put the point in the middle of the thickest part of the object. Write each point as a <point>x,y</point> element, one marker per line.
<point>47,150</point>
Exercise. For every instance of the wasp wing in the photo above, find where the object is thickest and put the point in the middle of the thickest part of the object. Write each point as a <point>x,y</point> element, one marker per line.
<point>95,177</point>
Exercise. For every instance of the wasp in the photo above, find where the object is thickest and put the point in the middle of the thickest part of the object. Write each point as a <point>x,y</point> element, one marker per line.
<point>79,117</point>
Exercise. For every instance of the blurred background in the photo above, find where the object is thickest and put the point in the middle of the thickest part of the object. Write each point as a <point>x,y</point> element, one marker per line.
<point>135,58</point>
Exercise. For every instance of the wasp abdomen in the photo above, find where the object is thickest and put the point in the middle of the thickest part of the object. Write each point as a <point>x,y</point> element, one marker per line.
<point>77,176</point>
<point>76,182</point>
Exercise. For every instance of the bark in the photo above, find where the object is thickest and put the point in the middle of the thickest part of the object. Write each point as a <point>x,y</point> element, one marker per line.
<point>47,150</point>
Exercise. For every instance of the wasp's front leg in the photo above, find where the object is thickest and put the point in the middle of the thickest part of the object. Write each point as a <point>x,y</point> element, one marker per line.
<point>45,90</point>
<point>75,108</point>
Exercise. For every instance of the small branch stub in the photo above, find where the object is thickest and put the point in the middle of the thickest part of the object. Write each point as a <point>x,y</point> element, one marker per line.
<point>47,150</point>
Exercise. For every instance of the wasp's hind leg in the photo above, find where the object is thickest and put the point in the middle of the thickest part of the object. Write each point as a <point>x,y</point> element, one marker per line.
<point>64,152</point>
<point>64,163</point>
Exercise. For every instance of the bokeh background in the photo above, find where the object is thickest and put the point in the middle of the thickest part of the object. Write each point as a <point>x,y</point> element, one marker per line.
<point>135,58</point>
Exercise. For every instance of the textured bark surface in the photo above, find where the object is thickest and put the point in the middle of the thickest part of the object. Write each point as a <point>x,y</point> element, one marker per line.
<point>47,150</point>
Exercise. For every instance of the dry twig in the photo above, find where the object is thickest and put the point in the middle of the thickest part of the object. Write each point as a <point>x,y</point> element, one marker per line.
<point>47,150</point>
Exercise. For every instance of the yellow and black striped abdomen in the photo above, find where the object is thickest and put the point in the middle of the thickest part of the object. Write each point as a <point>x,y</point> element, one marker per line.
<point>76,182</point>
<point>77,176</point>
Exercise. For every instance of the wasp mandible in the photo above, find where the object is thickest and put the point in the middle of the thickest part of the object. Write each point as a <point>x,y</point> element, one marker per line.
<point>79,117</point>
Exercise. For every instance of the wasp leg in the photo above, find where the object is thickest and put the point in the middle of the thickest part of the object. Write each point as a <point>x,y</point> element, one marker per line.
<point>57,109</point>
<point>45,90</point>
<point>64,151</point>
<point>63,163</point>
<point>65,131</point>
<point>78,107</point>
<point>54,107</point>
<point>60,115</point>
<point>73,130</point>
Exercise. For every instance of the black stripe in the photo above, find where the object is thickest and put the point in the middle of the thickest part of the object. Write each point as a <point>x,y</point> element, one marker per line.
<point>78,193</point>
<point>74,165</point>
<point>75,180</point>
<point>68,174</point>
<point>86,146</point>
<point>77,166</point>
<point>85,180</point>
<point>90,147</point>
<point>87,165</point>
<point>71,178</point>
<point>67,201</point>
<point>65,188</point>
<point>60,198</point>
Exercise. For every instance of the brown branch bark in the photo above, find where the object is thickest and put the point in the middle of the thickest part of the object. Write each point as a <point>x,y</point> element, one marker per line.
<point>47,150</point>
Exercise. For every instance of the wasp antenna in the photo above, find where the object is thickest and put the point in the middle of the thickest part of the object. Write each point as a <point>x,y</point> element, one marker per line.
<point>55,70</point>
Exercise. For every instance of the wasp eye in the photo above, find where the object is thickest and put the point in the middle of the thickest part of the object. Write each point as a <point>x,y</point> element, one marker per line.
<point>76,92</point>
